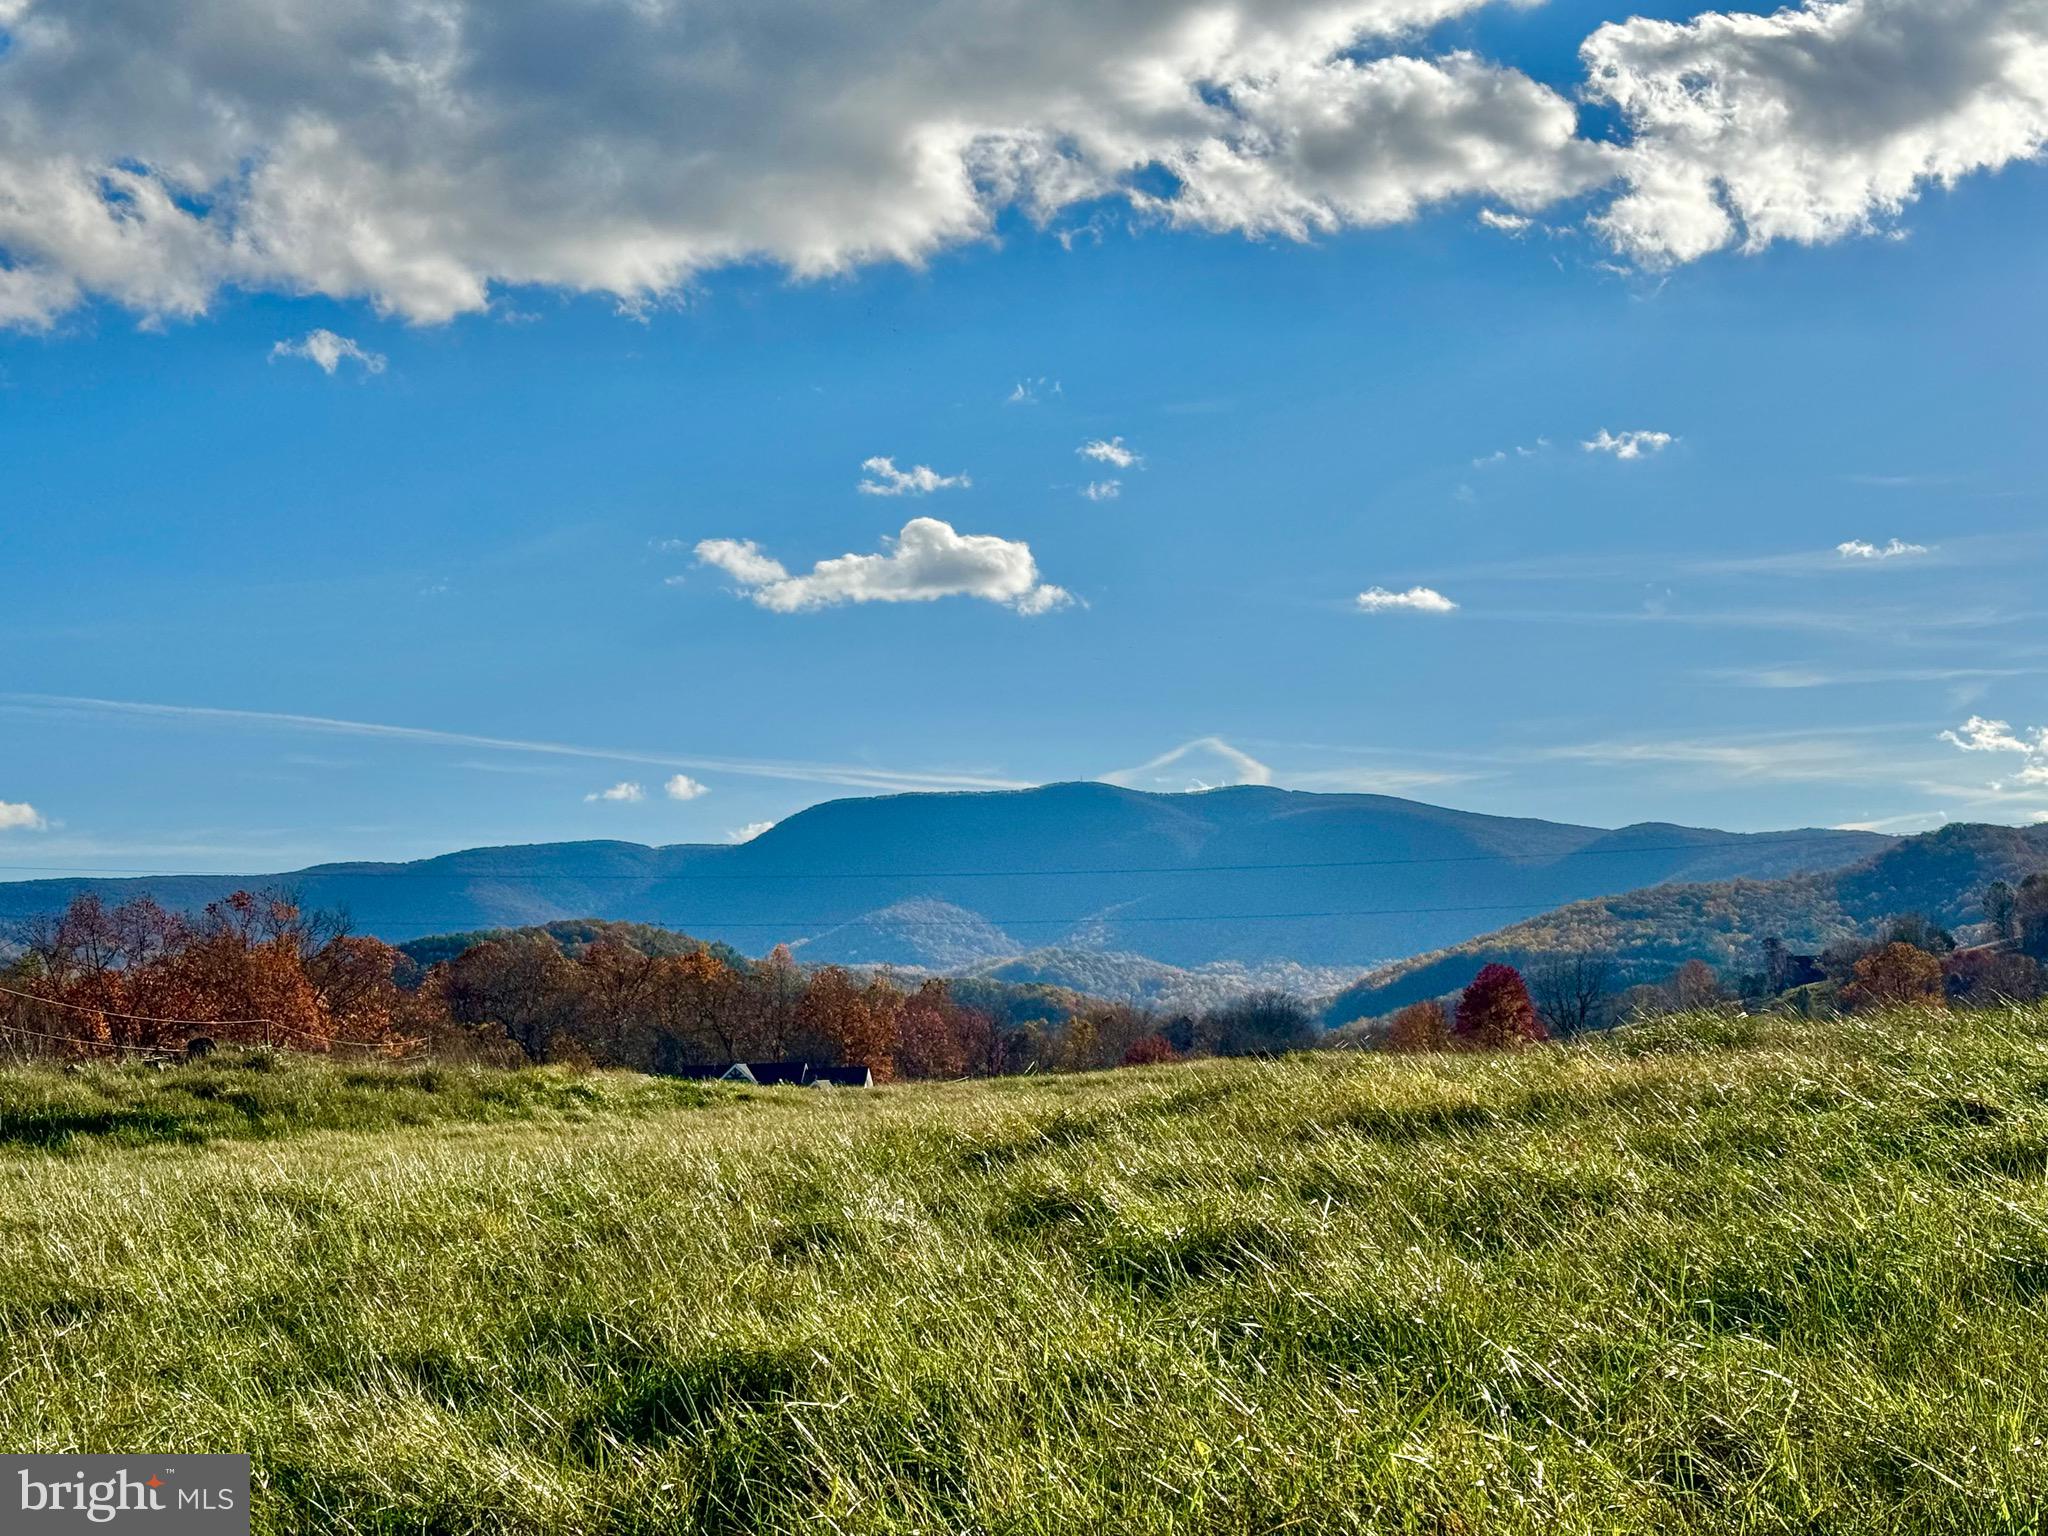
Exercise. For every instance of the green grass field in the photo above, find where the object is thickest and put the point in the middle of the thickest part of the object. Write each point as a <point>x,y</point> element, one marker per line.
<point>1706,1276</point>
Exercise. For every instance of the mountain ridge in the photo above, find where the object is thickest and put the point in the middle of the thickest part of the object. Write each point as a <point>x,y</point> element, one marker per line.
<point>1249,874</point>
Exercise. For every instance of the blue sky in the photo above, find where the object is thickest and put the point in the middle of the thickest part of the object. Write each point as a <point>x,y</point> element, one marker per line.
<point>258,613</point>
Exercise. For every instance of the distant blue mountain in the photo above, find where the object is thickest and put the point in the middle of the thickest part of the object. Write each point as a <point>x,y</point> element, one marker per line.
<point>1247,874</point>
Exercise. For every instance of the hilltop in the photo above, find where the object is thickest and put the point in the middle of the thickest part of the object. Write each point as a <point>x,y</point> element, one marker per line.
<point>1707,1276</point>
<point>1941,874</point>
<point>1246,875</point>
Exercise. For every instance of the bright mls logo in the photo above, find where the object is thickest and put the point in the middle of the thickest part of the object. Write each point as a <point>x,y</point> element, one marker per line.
<point>158,1495</point>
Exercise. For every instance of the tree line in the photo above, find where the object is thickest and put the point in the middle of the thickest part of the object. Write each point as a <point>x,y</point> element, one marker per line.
<point>256,969</point>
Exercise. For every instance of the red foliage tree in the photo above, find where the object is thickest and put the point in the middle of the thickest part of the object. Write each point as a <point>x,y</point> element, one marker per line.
<point>1495,1013</point>
<point>1150,1051</point>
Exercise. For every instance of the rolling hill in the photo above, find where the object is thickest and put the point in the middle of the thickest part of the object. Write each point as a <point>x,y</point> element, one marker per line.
<point>1248,874</point>
<point>1941,874</point>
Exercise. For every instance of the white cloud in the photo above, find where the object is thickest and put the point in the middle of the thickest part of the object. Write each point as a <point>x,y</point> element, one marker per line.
<point>749,832</point>
<point>1520,451</point>
<point>1207,762</point>
<point>1111,451</point>
<point>921,480</point>
<point>742,560</point>
<point>414,154</point>
<point>625,792</point>
<point>1628,445</point>
<point>1813,122</point>
<point>1981,735</point>
<point>18,816</point>
<point>1859,549</point>
<point>1029,391</point>
<point>1103,490</point>
<point>328,351</point>
<point>683,787</point>
<point>927,560</point>
<point>1516,224</point>
<point>1414,600</point>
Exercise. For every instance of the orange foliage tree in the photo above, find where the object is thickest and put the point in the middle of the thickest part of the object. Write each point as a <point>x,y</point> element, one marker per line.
<point>1894,975</point>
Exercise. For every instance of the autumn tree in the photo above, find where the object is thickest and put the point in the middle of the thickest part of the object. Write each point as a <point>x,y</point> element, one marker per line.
<point>841,1021</point>
<point>1151,1050</point>
<point>1423,1026</point>
<point>929,1039</point>
<point>1987,977</point>
<point>1495,1012</point>
<point>1895,975</point>
<point>1695,985</point>
<point>522,984</point>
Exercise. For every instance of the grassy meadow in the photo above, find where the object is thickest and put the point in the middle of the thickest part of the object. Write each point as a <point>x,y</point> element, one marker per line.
<point>1703,1276</point>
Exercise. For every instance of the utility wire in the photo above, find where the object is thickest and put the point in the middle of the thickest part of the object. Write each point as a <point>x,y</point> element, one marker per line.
<point>412,872</point>
<point>134,1018</point>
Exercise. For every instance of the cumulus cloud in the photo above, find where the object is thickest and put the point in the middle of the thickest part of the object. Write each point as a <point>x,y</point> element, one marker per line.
<point>1979,734</point>
<point>1813,122</point>
<point>417,155</point>
<point>1103,490</point>
<point>749,832</point>
<point>625,792</point>
<point>927,560</point>
<point>19,816</point>
<point>887,480</point>
<point>1628,445</point>
<point>328,352</point>
<point>1861,549</point>
<point>1111,451</point>
<point>683,787</point>
<point>1414,600</point>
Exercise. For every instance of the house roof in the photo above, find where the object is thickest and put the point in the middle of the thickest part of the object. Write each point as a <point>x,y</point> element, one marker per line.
<point>776,1074</point>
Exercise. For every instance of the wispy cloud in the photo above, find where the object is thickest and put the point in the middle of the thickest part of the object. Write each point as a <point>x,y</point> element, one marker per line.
<point>1628,445</point>
<point>1414,600</point>
<point>1103,490</point>
<point>1031,391</point>
<point>327,352</point>
<point>1793,675</point>
<point>1861,549</point>
<point>1207,762</point>
<point>851,776</point>
<point>919,480</point>
<point>625,792</point>
<point>1519,451</point>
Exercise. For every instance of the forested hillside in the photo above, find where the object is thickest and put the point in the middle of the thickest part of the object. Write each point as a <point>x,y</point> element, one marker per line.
<point>1940,874</point>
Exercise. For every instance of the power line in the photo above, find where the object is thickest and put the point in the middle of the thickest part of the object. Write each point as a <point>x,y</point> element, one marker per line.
<point>413,872</point>
<point>134,1018</point>
<point>1001,922</point>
